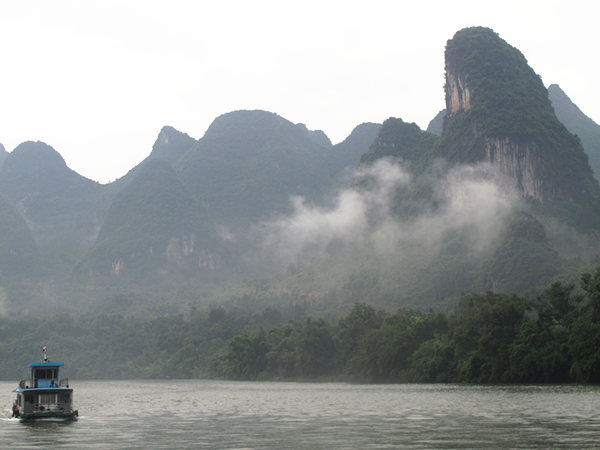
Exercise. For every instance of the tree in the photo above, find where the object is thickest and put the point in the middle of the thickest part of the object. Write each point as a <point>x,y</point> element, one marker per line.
<point>246,356</point>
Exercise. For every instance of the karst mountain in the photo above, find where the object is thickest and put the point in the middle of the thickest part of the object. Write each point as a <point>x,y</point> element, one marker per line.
<point>498,194</point>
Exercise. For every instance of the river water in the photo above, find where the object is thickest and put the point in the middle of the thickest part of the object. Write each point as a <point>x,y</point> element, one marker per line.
<point>239,415</point>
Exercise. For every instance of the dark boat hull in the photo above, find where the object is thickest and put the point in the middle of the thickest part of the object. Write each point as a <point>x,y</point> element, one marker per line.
<point>44,415</point>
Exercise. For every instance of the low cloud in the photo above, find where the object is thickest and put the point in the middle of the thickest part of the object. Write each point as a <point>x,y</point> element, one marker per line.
<point>354,214</point>
<point>367,222</point>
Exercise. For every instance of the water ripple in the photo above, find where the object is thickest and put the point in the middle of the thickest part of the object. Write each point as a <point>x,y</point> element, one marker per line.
<point>229,415</point>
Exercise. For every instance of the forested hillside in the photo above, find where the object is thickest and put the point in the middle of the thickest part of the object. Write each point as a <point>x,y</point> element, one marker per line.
<point>179,220</point>
<point>262,214</point>
<point>62,208</point>
<point>490,337</point>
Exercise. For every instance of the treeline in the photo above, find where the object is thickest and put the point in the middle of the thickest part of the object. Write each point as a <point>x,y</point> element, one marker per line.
<point>115,346</point>
<point>490,338</point>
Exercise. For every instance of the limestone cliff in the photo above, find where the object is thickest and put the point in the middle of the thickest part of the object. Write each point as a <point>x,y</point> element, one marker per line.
<point>517,165</point>
<point>499,113</point>
<point>458,95</point>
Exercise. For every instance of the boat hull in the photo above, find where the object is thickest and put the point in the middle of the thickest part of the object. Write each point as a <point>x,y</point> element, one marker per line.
<point>49,415</point>
<point>36,403</point>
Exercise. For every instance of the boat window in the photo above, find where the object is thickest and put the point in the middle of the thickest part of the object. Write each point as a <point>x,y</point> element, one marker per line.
<point>46,374</point>
<point>47,399</point>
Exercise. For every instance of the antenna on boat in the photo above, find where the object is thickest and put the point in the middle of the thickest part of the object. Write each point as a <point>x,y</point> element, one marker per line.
<point>45,355</point>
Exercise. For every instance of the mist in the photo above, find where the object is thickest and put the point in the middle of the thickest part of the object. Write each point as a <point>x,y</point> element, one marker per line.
<point>367,226</point>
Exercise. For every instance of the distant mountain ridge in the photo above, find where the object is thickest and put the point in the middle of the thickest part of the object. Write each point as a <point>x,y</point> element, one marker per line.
<point>151,222</point>
<point>62,208</point>
<point>165,218</point>
<point>577,123</point>
<point>249,163</point>
<point>190,216</point>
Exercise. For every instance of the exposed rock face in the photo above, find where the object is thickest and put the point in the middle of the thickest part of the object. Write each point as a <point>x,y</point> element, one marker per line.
<point>458,95</point>
<point>117,267</point>
<point>184,250</point>
<point>516,165</point>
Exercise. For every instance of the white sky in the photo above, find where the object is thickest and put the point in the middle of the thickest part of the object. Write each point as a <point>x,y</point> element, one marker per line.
<point>98,79</point>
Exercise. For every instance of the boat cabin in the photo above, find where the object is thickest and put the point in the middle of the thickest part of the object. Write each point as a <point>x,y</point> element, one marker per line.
<point>45,374</point>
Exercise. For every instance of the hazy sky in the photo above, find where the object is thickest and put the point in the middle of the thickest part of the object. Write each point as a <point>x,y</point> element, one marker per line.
<point>98,79</point>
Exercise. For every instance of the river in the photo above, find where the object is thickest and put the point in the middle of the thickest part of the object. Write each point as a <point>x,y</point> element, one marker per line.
<point>240,415</point>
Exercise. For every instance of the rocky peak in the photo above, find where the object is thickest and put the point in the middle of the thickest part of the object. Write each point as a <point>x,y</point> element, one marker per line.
<point>171,144</point>
<point>35,167</point>
<point>37,155</point>
<point>499,113</point>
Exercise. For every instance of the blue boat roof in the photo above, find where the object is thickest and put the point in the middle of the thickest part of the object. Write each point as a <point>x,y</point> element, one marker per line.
<point>53,388</point>
<point>46,364</point>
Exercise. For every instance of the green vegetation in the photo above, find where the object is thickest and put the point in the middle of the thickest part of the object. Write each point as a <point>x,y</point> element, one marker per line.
<point>406,141</point>
<point>249,163</point>
<point>523,254</point>
<point>490,338</point>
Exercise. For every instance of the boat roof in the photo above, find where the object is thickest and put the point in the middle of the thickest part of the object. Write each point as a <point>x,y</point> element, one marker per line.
<point>49,389</point>
<point>46,364</point>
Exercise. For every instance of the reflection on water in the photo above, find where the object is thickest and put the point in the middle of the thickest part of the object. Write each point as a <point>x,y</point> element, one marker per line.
<point>213,414</point>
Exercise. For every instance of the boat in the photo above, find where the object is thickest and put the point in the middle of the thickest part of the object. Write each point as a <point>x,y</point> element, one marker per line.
<point>44,395</point>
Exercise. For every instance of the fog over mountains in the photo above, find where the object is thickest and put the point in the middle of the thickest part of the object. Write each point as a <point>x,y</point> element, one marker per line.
<point>498,194</point>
